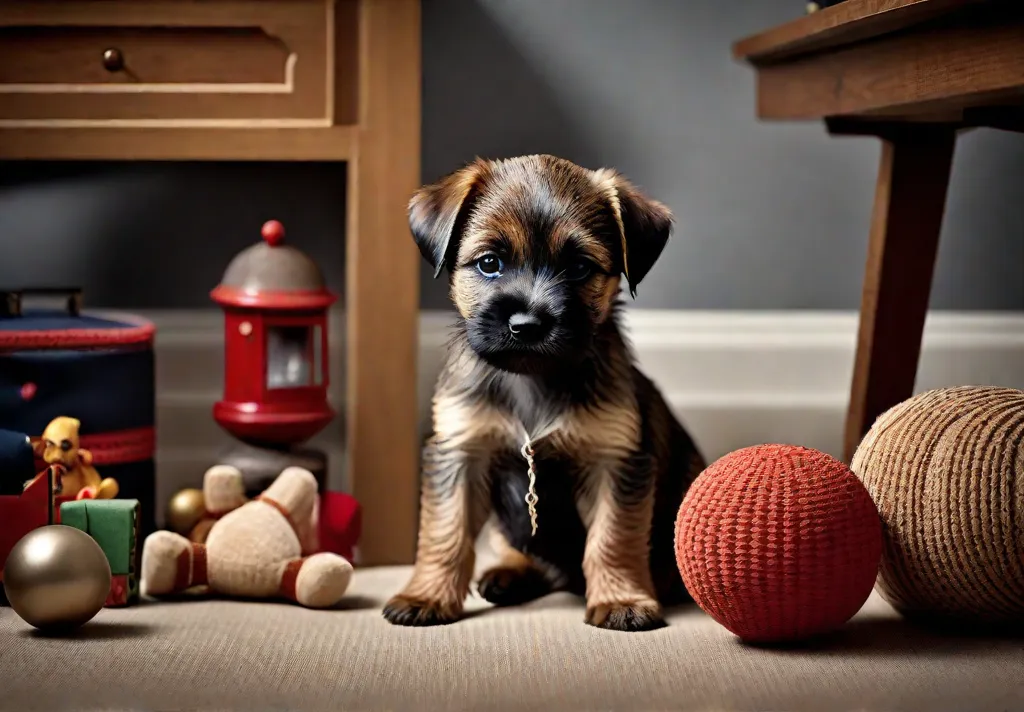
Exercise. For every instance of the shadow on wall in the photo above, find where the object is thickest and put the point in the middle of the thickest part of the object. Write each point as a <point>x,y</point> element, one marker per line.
<point>482,97</point>
<point>159,235</point>
<point>770,215</point>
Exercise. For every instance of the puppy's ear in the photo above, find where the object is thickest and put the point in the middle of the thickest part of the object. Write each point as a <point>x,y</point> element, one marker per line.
<point>644,225</point>
<point>437,213</point>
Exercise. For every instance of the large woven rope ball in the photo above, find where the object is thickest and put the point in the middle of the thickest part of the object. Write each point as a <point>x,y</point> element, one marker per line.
<point>778,543</point>
<point>946,470</point>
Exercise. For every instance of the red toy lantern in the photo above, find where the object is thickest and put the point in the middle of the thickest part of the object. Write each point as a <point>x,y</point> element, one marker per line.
<point>276,377</point>
<point>275,344</point>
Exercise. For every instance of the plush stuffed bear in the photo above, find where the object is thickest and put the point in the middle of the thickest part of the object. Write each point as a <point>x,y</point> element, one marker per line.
<point>261,548</point>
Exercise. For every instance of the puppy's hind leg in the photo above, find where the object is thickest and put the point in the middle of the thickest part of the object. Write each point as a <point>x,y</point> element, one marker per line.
<point>515,579</point>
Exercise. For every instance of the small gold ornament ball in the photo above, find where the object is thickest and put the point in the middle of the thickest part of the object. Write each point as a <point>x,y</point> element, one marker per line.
<point>185,510</point>
<point>57,577</point>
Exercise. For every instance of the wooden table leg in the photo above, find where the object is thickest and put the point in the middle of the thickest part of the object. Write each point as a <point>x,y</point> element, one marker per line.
<point>910,200</point>
<point>383,283</point>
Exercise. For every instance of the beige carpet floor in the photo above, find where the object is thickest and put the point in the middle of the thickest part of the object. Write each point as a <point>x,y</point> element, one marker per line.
<point>221,655</point>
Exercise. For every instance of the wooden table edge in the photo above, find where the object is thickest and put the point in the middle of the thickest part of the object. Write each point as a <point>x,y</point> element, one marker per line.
<point>845,23</point>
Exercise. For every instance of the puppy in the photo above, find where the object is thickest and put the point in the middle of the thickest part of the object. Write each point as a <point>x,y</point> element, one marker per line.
<point>535,248</point>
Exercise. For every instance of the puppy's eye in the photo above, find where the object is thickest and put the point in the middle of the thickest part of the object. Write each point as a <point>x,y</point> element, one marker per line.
<point>490,265</point>
<point>578,270</point>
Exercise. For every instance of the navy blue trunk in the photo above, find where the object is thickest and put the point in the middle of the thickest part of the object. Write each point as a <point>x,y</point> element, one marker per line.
<point>96,369</point>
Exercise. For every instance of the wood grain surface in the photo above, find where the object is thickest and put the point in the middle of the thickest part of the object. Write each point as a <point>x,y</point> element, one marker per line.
<point>912,73</point>
<point>167,141</point>
<point>383,283</point>
<point>356,98</point>
<point>219,59</point>
<point>845,23</point>
<point>916,74</point>
<point>910,199</point>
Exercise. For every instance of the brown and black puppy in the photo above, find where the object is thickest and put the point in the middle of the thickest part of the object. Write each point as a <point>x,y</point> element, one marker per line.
<point>535,247</point>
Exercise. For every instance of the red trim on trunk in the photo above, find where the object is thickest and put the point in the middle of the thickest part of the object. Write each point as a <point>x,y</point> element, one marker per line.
<point>121,446</point>
<point>141,335</point>
<point>116,448</point>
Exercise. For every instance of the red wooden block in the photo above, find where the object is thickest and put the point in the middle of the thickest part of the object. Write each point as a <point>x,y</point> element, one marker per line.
<point>20,514</point>
<point>340,524</point>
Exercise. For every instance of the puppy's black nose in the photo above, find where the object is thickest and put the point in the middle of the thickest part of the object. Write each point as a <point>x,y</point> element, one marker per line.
<point>527,328</point>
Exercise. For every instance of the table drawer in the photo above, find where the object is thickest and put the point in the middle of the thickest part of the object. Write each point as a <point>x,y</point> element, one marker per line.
<point>164,61</point>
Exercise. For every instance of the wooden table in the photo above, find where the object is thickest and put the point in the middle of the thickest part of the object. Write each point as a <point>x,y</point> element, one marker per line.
<point>287,80</point>
<point>912,73</point>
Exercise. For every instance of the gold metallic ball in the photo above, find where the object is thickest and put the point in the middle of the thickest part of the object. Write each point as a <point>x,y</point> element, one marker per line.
<point>185,510</point>
<point>57,577</point>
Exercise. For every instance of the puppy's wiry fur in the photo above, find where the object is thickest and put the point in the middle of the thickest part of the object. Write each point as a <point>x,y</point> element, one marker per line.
<point>613,463</point>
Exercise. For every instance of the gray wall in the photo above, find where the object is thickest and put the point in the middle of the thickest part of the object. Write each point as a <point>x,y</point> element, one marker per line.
<point>159,236</point>
<point>770,216</point>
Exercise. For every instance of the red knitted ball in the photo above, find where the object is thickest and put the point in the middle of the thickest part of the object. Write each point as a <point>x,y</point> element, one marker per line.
<point>778,542</point>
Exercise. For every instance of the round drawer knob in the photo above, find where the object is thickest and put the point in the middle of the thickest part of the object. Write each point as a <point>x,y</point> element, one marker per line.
<point>113,60</point>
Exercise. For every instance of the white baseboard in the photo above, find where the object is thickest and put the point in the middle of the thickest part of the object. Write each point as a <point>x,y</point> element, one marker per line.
<point>734,378</point>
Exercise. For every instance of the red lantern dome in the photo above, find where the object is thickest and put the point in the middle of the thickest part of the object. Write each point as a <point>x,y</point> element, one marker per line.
<point>275,343</point>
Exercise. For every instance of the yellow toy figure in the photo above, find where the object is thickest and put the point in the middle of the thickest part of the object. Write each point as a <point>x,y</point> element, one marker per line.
<point>59,446</point>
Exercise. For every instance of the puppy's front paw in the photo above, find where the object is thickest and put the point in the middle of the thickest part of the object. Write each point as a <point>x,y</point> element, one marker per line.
<point>625,616</point>
<point>508,586</point>
<point>404,610</point>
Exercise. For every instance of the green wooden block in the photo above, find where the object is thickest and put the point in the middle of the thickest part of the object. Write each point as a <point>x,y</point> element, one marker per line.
<point>113,523</point>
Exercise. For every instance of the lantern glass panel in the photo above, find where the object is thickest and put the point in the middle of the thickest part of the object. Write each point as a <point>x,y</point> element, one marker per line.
<point>288,356</point>
<point>318,356</point>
